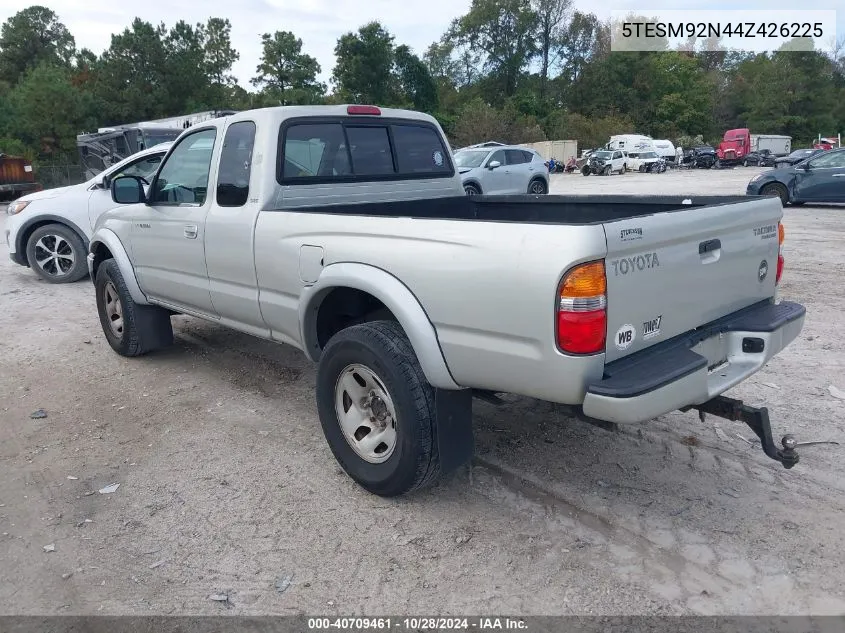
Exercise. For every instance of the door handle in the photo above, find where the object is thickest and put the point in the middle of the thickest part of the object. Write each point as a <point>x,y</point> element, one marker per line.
<point>709,246</point>
<point>191,231</point>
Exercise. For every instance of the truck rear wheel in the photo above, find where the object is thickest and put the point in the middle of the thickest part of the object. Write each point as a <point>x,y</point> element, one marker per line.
<point>377,409</point>
<point>131,328</point>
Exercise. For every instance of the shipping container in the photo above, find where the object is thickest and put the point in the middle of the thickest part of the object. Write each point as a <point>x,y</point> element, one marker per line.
<point>17,177</point>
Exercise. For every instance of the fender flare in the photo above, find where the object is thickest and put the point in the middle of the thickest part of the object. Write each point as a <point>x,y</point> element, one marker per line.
<point>46,218</point>
<point>396,296</point>
<point>110,240</point>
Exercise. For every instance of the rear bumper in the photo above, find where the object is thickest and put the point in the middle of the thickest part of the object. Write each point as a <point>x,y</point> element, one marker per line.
<point>694,367</point>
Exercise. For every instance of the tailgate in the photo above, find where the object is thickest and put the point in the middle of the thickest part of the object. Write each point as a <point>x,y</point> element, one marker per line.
<point>674,271</point>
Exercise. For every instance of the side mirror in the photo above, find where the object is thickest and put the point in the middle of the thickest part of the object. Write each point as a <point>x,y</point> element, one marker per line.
<point>805,165</point>
<point>127,190</point>
<point>104,183</point>
<point>493,164</point>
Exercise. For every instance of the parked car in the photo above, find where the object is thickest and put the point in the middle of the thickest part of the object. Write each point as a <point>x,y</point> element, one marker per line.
<point>763,158</point>
<point>353,240</point>
<point>606,162</point>
<point>797,156</point>
<point>644,161</point>
<point>49,230</point>
<point>701,157</point>
<point>820,178</point>
<point>508,169</point>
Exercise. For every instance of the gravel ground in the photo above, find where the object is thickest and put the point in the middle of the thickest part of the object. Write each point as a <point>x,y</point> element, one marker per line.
<point>227,485</point>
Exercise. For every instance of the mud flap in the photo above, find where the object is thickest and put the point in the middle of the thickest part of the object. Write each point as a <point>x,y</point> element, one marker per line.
<point>455,440</point>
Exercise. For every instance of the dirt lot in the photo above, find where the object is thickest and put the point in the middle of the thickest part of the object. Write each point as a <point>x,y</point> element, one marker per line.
<point>227,486</point>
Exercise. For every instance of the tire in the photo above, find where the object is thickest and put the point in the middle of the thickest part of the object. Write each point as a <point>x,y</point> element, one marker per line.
<point>745,163</point>
<point>537,187</point>
<point>777,189</point>
<point>57,254</point>
<point>472,190</point>
<point>131,329</point>
<point>585,171</point>
<point>380,353</point>
<point>607,171</point>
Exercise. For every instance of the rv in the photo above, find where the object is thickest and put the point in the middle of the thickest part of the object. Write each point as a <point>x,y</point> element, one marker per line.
<point>634,144</point>
<point>109,145</point>
<point>665,149</point>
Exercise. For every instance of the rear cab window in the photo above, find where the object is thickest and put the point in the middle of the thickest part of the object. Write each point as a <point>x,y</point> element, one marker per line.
<point>355,149</point>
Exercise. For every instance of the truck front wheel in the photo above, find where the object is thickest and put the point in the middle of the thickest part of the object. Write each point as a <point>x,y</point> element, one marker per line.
<point>377,409</point>
<point>131,328</point>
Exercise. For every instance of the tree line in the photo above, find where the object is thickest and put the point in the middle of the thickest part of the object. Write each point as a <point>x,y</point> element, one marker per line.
<point>507,70</point>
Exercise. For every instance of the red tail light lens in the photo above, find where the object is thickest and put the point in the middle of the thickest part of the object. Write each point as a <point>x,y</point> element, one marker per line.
<point>781,237</point>
<point>582,310</point>
<point>581,332</point>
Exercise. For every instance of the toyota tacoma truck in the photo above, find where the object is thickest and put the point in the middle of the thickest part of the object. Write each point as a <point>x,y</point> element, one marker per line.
<point>345,232</point>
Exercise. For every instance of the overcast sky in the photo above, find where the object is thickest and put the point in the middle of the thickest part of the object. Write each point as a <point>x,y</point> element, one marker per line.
<point>318,23</point>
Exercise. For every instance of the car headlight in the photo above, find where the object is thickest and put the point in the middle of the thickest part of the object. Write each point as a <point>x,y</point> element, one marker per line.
<point>17,206</point>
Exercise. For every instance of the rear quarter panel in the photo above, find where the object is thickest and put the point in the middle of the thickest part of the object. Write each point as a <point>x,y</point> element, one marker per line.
<point>489,288</point>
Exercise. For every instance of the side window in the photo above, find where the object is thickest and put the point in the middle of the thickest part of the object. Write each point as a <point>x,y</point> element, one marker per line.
<point>515,157</point>
<point>617,155</point>
<point>144,168</point>
<point>183,178</point>
<point>499,156</point>
<point>528,156</point>
<point>370,150</point>
<point>235,164</point>
<point>315,149</point>
<point>419,150</point>
<point>829,161</point>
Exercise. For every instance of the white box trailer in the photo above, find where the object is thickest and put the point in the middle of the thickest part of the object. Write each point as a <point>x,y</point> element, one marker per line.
<point>777,144</point>
<point>561,151</point>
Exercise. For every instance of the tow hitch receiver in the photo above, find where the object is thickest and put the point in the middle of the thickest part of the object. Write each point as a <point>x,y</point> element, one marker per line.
<point>758,421</point>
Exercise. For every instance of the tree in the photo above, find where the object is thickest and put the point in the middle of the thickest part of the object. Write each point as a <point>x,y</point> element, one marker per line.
<point>30,37</point>
<point>219,54</point>
<point>415,82</point>
<point>187,85</point>
<point>132,75</point>
<point>550,19</point>
<point>577,44</point>
<point>363,73</point>
<point>286,73</point>
<point>503,30</point>
<point>34,114</point>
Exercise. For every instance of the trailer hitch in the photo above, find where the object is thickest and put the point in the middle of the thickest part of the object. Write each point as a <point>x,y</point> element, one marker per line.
<point>757,420</point>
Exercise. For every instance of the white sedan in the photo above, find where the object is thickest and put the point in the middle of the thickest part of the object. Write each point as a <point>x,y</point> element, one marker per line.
<point>49,230</point>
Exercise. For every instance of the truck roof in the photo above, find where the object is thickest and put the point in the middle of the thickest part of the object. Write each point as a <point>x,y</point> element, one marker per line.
<point>277,114</point>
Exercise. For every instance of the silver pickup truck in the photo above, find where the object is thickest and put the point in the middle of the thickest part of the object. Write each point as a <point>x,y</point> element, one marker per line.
<point>345,232</point>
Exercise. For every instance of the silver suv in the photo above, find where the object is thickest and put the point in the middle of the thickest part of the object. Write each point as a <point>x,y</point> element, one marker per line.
<point>504,169</point>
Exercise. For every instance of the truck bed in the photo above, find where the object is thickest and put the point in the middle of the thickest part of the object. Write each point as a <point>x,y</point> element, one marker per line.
<point>530,209</point>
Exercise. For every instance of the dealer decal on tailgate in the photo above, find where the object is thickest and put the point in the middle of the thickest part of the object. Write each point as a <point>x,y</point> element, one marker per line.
<point>652,328</point>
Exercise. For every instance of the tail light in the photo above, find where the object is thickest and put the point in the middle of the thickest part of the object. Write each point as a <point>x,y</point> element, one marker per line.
<point>582,309</point>
<point>781,236</point>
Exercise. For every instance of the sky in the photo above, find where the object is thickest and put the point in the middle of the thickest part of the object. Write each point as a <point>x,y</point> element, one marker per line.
<point>319,23</point>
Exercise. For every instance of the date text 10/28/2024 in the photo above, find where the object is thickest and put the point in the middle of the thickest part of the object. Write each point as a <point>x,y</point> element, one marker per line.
<point>417,624</point>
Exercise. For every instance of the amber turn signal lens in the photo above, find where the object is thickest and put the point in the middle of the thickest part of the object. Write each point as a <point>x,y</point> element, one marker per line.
<point>586,280</point>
